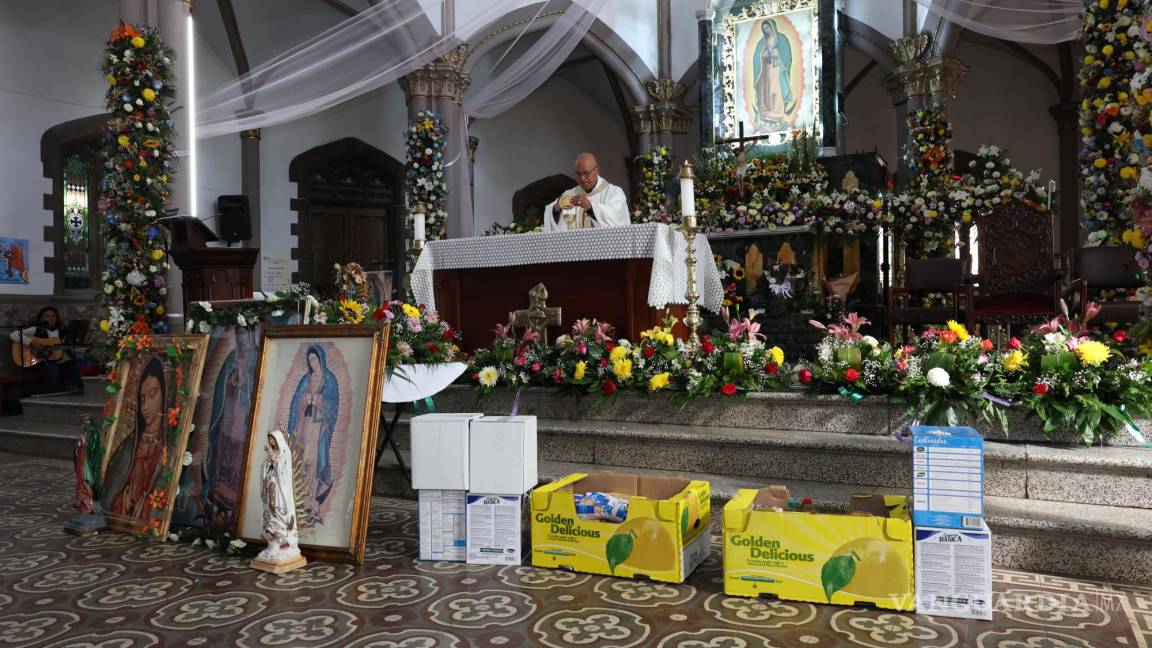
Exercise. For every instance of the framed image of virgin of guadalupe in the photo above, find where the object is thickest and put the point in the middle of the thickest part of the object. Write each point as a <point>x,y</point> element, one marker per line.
<point>156,380</point>
<point>769,61</point>
<point>321,386</point>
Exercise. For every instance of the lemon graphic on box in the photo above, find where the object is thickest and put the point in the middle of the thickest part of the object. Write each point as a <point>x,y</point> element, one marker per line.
<point>866,567</point>
<point>643,544</point>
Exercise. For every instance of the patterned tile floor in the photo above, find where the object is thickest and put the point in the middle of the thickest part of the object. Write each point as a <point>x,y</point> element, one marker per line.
<point>113,591</point>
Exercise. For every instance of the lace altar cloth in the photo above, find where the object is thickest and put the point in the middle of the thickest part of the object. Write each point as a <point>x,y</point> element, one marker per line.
<point>657,241</point>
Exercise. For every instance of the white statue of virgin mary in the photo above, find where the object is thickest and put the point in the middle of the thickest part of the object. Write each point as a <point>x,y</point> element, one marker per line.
<point>283,551</point>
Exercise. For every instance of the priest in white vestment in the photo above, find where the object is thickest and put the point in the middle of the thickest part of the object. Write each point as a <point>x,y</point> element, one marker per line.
<point>595,202</point>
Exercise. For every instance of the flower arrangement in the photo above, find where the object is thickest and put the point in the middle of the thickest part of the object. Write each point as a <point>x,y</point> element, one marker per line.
<point>849,362</point>
<point>515,228</point>
<point>509,361</point>
<point>733,362</point>
<point>991,180</point>
<point>424,182</point>
<point>138,160</point>
<point>202,317</point>
<point>418,335</point>
<point>929,151</point>
<point>655,166</point>
<point>1075,377</point>
<point>945,378</point>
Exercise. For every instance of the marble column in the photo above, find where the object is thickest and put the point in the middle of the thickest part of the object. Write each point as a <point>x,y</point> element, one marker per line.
<point>706,71</point>
<point>171,18</point>
<point>1067,117</point>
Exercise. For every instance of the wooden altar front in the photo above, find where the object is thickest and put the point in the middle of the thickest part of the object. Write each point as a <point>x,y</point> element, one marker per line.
<point>614,291</point>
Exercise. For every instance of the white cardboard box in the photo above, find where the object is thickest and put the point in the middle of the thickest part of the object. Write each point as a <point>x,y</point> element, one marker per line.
<point>503,455</point>
<point>495,529</point>
<point>440,451</point>
<point>954,572</point>
<point>442,525</point>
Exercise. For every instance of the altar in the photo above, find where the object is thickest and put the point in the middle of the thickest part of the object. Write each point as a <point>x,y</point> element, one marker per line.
<point>627,276</point>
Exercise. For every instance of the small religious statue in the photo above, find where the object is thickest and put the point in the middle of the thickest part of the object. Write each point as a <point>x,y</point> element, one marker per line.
<point>90,518</point>
<point>280,530</point>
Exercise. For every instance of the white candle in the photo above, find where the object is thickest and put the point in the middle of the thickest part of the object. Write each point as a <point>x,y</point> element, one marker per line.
<point>1051,190</point>
<point>418,226</point>
<point>687,200</point>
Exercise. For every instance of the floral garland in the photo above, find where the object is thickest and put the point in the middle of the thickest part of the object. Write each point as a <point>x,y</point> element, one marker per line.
<point>425,178</point>
<point>202,317</point>
<point>137,340</point>
<point>655,166</point>
<point>138,158</point>
<point>929,151</point>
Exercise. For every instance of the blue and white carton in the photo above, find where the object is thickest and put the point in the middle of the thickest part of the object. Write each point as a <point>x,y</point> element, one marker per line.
<point>954,572</point>
<point>443,521</point>
<point>947,477</point>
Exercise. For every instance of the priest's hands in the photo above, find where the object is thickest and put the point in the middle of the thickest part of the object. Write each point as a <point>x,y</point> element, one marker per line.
<point>581,200</point>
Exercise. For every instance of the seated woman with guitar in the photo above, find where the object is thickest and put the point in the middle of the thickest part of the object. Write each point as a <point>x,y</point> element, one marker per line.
<point>39,345</point>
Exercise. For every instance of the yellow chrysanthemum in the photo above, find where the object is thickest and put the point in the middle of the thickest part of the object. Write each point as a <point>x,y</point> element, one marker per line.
<point>1093,353</point>
<point>1099,163</point>
<point>1135,238</point>
<point>777,355</point>
<point>488,376</point>
<point>157,254</point>
<point>1015,361</point>
<point>958,329</point>
<point>123,141</point>
<point>352,311</point>
<point>659,381</point>
<point>410,311</point>
<point>137,42</point>
<point>581,367</point>
<point>618,354</point>
<point>622,368</point>
<point>149,94</point>
<point>105,326</point>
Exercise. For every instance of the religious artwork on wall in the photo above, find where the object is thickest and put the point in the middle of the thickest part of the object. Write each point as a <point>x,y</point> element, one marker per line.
<point>145,442</point>
<point>321,386</point>
<point>769,55</point>
<point>210,485</point>
<point>13,261</point>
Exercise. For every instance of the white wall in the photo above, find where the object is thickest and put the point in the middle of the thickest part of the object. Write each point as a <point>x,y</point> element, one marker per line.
<point>885,16</point>
<point>539,137</point>
<point>378,118</point>
<point>50,54</point>
<point>217,158</point>
<point>872,120</point>
<point>685,36</point>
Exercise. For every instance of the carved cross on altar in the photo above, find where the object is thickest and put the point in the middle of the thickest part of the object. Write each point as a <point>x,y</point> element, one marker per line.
<point>539,315</point>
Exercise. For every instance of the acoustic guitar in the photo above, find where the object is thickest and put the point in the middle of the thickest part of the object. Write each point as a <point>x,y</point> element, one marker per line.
<point>25,356</point>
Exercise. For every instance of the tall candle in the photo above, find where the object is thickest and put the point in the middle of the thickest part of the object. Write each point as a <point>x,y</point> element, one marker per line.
<point>418,226</point>
<point>687,199</point>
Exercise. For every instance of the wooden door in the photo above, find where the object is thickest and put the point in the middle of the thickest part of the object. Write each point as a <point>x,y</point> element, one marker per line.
<point>370,242</point>
<point>338,234</point>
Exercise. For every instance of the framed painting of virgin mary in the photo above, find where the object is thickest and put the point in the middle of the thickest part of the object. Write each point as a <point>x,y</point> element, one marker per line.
<point>320,386</point>
<point>155,384</point>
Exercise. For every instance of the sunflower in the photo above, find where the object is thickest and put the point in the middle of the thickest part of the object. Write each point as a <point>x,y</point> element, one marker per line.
<point>352,311</point>
<point>738,273</point>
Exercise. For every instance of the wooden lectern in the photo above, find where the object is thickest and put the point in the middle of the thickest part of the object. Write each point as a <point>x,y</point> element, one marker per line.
<point>209,273</point>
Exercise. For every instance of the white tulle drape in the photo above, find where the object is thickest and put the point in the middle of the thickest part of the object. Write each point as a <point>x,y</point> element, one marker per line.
<point>1022,21</point>
<point>367,51</point>
<point>512,85</point>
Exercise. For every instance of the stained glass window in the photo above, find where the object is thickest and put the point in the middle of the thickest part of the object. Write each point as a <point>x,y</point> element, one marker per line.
<point>77,242</point>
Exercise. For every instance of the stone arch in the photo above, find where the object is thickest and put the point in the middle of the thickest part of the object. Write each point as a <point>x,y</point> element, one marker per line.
<point>601,40</point>
<point>352,177</point>
<point>84,136</point>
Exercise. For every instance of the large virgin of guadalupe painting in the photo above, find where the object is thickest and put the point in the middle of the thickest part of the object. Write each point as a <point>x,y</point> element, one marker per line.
<point>146,434</point>
<point>320,386</point>
<point>770,57</point>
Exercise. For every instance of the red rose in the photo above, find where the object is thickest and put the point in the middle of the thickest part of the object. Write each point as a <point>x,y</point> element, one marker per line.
<point>707,347</point>
<point>520,361</point>
<point>608,346</point>
<point>771,368</point>
<point>476,376</point>
<point>805,376</point>
<point>986,344</point>
<point>1040,388</point>
<point>649,352</point>
<point>432,348</point>
<point>1013,344</point>
<point>609,388</point>
<point>728,389</point>
<point>603,362</point>
<point>557,376</point>
<point>851,375</point>
<point>535,367</point>
<point>448,334</point>
<point>378,314</point>
<point>1119,337</point>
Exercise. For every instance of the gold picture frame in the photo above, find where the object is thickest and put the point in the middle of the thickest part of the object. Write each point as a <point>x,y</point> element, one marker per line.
<point>156,391</point>
<point>321,385</point>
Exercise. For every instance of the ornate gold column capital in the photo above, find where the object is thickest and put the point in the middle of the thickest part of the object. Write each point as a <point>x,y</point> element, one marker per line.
<point>938,75</point>
<point>664,114</point>
<point>443,78</point>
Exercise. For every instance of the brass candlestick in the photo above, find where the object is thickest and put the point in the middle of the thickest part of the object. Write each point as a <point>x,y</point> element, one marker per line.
<point>418,226</point>
<point>688,228</point>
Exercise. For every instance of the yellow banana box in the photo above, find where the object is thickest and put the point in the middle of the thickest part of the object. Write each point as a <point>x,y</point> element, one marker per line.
<point>843,559</point>
<point>666,534</point>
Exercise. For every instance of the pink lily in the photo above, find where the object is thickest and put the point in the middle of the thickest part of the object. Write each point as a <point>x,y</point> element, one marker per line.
<point>603,332</point>
<point>855,321</point>
<point>503,330</point>
<point>530,335</point>
<point>581,327</point>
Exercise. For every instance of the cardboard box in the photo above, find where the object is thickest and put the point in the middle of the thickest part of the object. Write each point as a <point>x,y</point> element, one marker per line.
<point>440,451</point>
<point>844,559</point>
<point>495,531</point>
<point>503,455</point>
<point>442,525</point>
<point>954,572</point>
<point>666,535</point>
<point>947,477</point>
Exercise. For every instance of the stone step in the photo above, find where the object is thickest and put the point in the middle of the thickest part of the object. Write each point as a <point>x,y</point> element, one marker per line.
<point>793,409</point>
<point>1116,476</point>
<point>66,409</point>
<point>1084,540</point>
<point>22,435</point>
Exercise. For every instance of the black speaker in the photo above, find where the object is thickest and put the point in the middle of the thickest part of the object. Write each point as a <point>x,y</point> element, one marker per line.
<point>233,219</point>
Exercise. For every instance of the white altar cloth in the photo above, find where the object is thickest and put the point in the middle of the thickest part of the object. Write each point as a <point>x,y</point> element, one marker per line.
<point>657,241</point>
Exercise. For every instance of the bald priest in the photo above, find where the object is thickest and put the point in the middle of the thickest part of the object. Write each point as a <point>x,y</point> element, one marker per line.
<point>594,202</point>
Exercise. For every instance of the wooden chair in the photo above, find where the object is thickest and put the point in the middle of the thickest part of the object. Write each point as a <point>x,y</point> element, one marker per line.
<point>922,277</point>
<point>1018,283</point>
<point>1110,267</point>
